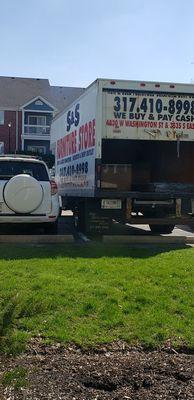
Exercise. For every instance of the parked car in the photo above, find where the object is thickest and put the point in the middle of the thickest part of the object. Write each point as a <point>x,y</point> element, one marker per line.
<point>52,172</point>
<point>27,194</point>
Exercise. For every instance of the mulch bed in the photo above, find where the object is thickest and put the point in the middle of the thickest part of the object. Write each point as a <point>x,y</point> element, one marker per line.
<point>114,372</point>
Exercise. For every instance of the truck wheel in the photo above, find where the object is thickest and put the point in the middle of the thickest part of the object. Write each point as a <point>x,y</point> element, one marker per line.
<point>165,229</point>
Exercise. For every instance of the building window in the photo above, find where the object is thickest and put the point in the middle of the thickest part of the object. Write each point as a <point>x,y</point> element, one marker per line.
<point>37,149</point>
<point>37,125</point>
<point>1,117</point>
<point>37,120</point>
<point>38,103</point>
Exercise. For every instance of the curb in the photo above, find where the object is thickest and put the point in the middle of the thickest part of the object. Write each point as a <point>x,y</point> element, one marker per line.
<point>119,239</point>
<point>37,239</point>
<point>109,239</point>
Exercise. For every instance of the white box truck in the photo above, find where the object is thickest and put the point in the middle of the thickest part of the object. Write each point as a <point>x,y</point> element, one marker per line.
<point>125,151</point>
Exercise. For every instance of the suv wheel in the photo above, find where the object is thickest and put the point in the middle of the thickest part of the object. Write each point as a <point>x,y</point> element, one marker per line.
<point>23,193</point>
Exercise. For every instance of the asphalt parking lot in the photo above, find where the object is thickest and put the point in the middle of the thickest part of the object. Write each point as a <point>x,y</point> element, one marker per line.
<point>66,227</point>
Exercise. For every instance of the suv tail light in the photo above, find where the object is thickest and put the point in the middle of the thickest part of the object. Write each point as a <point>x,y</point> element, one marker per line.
<point>54,188</point>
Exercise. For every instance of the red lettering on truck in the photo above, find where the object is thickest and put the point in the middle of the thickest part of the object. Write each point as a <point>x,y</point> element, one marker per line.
<point>67,145</point>
<point>87,135</point>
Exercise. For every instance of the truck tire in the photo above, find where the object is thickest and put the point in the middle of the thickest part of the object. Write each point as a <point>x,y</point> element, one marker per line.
<point>161,229</point>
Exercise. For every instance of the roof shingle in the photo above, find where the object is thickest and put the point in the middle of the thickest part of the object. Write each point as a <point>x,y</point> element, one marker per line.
<point>15,92</point>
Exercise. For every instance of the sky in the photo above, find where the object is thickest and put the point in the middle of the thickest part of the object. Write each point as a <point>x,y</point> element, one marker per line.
<point>73,42</point>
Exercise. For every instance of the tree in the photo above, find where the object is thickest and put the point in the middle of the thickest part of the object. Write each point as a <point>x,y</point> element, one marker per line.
<point>49,159</point>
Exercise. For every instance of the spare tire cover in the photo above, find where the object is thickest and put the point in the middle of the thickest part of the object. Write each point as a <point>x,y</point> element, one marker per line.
<point>23,193</point>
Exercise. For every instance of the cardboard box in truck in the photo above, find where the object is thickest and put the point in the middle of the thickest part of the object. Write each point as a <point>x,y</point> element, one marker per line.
<point>116,176</point>
<point>124,151</point>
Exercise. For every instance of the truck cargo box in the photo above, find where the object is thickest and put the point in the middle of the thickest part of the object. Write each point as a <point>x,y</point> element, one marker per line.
<point>129,141</point>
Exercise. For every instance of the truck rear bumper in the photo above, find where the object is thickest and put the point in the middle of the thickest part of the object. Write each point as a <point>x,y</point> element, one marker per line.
<point>143,195</point>
<point>26,219</point>
<point>185,220</point>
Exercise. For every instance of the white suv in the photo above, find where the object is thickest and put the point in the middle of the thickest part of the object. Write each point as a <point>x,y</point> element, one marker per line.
<point>27,195</point>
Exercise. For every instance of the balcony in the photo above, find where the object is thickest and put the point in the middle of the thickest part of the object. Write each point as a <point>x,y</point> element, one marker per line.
<point>36,130</point>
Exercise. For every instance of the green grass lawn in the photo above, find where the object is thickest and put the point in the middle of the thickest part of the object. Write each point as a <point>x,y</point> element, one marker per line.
<point>95,293</point>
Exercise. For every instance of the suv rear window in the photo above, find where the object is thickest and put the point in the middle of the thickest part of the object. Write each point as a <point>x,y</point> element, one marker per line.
<point>8,169</point>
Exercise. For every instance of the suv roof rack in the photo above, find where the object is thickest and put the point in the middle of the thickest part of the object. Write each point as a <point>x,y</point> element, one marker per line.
<point>20,156</point>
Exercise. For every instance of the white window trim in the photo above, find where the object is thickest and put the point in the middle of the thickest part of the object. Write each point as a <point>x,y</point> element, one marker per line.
<point>36,116</point>
<point>54,109</point>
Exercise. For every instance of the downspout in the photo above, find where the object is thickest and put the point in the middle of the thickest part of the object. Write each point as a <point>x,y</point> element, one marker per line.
<point>16,131</point>
<point>22,130</point>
